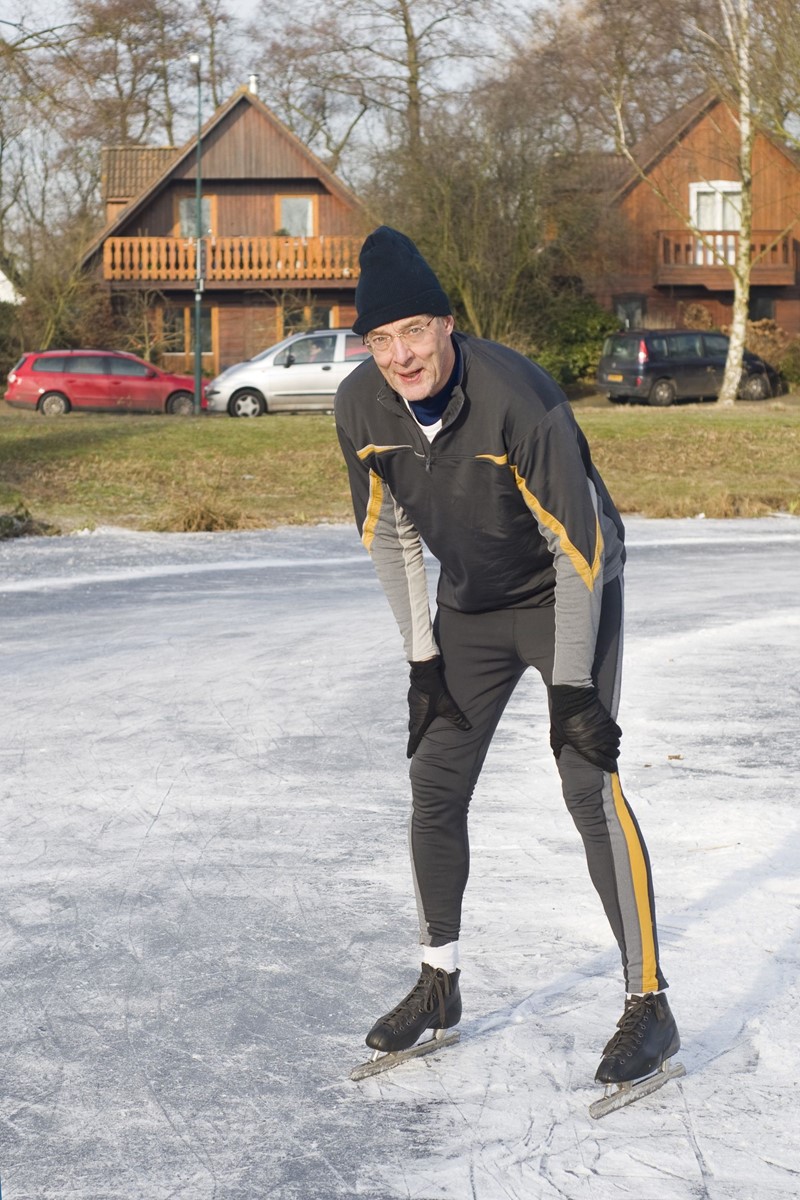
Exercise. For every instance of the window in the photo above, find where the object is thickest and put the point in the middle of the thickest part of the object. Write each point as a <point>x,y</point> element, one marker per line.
<point>296,215</point>
<point>716,205</point>
<point>762,308</point>
<point>685,345</point>
<point>47,364</point>
<point>355,348</point>
<point>187,216</point>
<point>205,330</point>
<point>716,344</point>
<point>126,366</point>
<point>178,325</point>
<point>297,318</point>
<point>85,364</point>
<point>315,349</point>
<point>630,310</point>
<point>624,349</point>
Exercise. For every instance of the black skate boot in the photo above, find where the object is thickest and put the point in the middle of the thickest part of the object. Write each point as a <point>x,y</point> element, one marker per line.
<point>646,1035</point>
<point>637,1057</point>
<point>433,1003</point>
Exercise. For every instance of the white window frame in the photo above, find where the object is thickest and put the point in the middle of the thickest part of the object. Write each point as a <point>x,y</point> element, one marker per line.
<point>720,249</point>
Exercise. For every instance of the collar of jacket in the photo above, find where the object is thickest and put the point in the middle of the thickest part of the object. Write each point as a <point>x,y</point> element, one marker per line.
<point>395,403</point>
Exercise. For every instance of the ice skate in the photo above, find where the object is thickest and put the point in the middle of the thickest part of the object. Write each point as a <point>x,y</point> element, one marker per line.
<point>433,1003</point>
<point>636,1061</point>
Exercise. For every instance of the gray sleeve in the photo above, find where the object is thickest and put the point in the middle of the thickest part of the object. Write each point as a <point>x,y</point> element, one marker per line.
<point>396,551</point>
<point>552,477</point>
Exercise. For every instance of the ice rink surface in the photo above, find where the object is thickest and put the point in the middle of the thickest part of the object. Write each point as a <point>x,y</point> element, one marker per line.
<point>206,900</point>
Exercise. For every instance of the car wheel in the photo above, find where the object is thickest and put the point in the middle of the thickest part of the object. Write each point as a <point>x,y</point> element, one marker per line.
<point>53,404</point>
<point>755,387</point>
<point>662,393</point>
<point>247,403</point>
<point>180,404</point>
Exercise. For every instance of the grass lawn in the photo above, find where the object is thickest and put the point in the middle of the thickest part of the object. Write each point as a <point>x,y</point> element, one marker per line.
<point>167,473</point>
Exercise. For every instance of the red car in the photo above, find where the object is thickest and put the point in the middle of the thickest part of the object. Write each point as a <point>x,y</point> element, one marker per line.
<point>54,381</point>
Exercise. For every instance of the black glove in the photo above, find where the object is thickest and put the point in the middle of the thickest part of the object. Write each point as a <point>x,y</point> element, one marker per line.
<point>429,698</point>
<point>578,719</point>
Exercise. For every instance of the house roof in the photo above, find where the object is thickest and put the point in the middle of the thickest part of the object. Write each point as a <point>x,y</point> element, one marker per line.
<point>664,136</point>
<point>661,139</point>
<point>127,170</point>
<point>182,156</point>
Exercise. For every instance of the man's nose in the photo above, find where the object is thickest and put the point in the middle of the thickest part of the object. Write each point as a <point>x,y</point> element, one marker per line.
<point>402,352</point>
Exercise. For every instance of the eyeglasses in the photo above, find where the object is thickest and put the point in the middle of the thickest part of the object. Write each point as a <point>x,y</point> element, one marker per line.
<point>413,335</point>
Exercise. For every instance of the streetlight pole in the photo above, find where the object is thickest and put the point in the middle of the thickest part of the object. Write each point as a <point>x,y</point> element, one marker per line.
<point>194,59</point>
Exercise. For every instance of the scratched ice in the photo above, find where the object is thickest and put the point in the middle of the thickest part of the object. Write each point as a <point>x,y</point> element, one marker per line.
<point>205,899</point>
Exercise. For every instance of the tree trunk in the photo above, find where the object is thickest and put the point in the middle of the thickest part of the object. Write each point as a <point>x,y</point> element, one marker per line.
<point>739,25</point>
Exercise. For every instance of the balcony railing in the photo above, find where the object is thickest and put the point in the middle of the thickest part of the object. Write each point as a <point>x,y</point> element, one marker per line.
<point>685,257</point>
<point>231,259</point>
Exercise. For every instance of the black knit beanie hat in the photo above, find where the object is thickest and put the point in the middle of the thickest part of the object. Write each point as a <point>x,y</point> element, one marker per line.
<point>395,282</point>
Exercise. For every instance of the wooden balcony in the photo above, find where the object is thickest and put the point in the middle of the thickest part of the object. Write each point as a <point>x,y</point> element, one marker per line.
<point>231,261</point>
<point>686,258</point>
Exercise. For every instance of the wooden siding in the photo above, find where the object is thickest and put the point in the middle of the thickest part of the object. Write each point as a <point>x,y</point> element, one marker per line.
<point>709,152</point>
<point>245,145</point>
<point>242,208</point>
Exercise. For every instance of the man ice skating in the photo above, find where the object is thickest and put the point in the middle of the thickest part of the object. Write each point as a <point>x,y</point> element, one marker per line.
<point>473,449</point>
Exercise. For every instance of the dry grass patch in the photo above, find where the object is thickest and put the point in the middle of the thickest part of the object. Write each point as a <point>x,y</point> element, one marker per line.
<point>216,473</point>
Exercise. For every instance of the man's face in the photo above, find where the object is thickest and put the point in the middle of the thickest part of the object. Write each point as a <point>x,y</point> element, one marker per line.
<point>423,369</point>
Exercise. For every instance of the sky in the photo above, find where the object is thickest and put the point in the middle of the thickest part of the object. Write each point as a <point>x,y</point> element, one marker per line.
<point>205,899</point>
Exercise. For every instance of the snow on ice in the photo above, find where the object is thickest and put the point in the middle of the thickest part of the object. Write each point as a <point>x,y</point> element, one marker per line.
<point>206,901</point>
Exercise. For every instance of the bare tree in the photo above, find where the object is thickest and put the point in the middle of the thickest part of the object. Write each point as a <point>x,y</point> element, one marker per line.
<point>384,64</point>
<point>717,37</point>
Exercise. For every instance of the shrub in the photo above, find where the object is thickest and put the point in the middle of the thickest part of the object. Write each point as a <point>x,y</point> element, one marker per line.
<point>570,340</point>
<point>695,316</point>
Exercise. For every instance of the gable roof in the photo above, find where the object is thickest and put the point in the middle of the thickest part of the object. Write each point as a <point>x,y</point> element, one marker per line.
<point>664,136</point>
<point>309,164</point>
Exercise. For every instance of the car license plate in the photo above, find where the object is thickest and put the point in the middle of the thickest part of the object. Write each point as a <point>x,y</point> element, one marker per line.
<point>615,379</point>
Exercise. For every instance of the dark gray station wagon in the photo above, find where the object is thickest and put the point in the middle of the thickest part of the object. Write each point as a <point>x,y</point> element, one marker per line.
<point>660,366</point>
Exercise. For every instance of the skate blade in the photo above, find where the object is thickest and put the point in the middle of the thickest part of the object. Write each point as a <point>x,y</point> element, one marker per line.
<point>385,1062</point>
<point>627,1093</point>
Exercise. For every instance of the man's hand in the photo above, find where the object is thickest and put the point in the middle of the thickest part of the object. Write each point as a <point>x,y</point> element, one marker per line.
<point>578,719</point>
<point>429,698</point>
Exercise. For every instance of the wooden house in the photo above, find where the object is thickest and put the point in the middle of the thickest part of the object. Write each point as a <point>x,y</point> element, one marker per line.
<point>280,238</point>
<point>689,173</point>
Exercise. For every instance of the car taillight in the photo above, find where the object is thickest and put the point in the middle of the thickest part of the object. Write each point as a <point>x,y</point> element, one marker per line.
<point>643,352</point>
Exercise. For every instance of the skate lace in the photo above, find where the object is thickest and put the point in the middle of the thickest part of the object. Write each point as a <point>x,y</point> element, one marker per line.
<point>631,1028</point>
<point>430,990</point>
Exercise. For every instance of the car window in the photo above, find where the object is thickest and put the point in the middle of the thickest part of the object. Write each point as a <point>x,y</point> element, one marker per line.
<point>125,366</point>
<point>354,348</point>
<point>624,349</point>
<point>85,364</point>
<point>685,345</point>
<point>716,343</point>
<point>54,363</point>
<point>658,346</point>
<point>314,349</point>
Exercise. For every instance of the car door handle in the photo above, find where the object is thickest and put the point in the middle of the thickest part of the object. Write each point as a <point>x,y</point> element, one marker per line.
<point>327,367</point>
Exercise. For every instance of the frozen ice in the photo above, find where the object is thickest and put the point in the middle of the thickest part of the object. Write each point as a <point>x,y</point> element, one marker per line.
<point>206,899</point>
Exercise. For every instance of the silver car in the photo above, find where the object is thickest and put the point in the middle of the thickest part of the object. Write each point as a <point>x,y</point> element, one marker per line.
<point>300,373</point>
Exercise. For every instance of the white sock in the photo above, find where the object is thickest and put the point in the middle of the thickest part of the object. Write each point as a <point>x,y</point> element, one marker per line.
<point>444,957</point>
<point>638,995</point>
